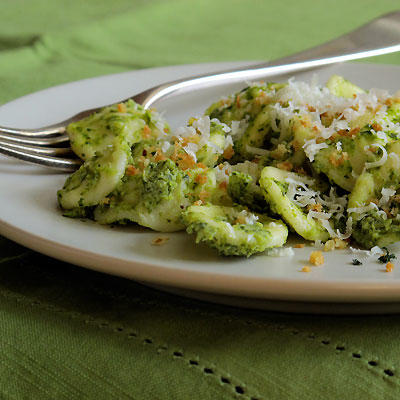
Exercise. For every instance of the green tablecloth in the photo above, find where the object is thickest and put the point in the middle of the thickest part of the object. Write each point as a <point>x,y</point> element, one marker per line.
<point>70,333</point>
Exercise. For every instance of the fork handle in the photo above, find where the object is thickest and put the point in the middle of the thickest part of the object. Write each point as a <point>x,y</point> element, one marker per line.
<point>379,36</point>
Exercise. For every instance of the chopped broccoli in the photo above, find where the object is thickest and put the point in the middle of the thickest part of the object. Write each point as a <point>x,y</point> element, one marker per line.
<point>159,183</point>
<point>153,198</point>
<point>243,190</point>
<point>373,230</point>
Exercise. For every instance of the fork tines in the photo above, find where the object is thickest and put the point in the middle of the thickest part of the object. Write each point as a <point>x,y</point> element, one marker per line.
<point>47,148</point>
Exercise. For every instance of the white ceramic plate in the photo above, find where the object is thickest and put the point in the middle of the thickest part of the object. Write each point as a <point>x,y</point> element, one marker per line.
<point>29,213</point>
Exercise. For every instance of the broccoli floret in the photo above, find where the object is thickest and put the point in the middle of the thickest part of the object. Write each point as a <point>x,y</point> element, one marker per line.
<point>372,230</point>
<point>234,231</point>
<point>159,182</point>
<point>243,190</point>
<point>153,198</point>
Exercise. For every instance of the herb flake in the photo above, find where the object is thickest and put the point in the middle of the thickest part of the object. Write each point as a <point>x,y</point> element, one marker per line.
<point>385,258</point>
<point>356,262</point>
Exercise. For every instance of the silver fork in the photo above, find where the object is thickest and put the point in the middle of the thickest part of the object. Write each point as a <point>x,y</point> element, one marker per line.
<point>49,146</point>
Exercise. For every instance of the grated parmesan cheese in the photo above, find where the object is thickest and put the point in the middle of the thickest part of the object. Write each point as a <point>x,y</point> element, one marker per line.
<point>311,148</point>
<point>381,135</point>
<point>386,194</point>
<point>238,128</point>
<point>232,232</point>
<point>222,172</point>
<point>369,253</point>
<point>281,252</point>
<point>247,217</point>
<point>364,209</point>
<point>225,127</point>
<point>203,125</point>
<point>191,149</point>
<point>301,195</point>
<point>165,146</point>
<point>379,162</point>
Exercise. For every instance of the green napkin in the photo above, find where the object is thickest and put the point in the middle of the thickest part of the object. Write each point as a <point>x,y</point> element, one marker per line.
<point>53,42</point>
<point>71,333</point>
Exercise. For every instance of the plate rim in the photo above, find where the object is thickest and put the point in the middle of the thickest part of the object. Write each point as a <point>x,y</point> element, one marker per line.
<point>306,290</point>
<point>310,290</point>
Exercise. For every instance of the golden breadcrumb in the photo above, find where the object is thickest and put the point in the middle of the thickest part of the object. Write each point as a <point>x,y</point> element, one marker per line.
<point>389,267</point>
<point>335,244</point>
<point>160,241</point>
<point>316,258</point>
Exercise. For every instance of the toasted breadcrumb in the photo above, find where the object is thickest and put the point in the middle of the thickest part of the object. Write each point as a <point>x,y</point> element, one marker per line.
<point>240,220</point>
<point>229,152</point>
<point>122,107</point>
<point>316,258</point>
<point>186,161</point>
<point>238,101</point>
<point>389,267</point>
<point>146,132</point>
<point>223,185</point>
<point>340,243</point>
<point>306,269</point>
<point>337,159</point>
<point>160,241</point>
<point>299,246</point>
<point>202,179</point>
<point>203,195</point>
<point>201,165</point>
<point>131,170</point>
<point>315,207</point>
<point>286,166</point>
<point>159,156</point>
<point>279,153</point>
<point>335,243</point>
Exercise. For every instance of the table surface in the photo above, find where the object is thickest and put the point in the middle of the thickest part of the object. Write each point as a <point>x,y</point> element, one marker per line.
<point>71,333</point>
